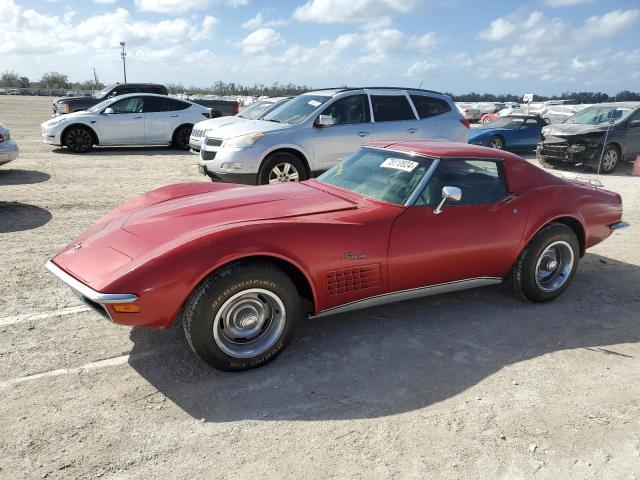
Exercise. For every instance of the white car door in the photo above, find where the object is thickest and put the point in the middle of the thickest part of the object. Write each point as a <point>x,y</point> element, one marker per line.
<point>394,117</point>
<point>351,128</point>
<point>159,121</point>
<point>125,125</point>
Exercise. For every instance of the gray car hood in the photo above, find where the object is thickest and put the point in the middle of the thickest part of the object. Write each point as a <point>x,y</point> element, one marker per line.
<point>245,128</point>
<point>567,129</point>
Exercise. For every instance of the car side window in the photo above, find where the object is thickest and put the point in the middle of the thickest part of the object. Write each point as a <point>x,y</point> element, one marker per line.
<point>429,106</point>
<point>389,108</point>
<point>155,104</point>
<point>349,110</point>
<point>481,182</point>
<point>531,122</point>
<point>128,105</point>
<point>175,105</point>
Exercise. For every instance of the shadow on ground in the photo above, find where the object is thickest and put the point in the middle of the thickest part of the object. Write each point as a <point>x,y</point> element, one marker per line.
<point>22,177</point>
<point>400,357</point>
<point>114,151</point>
<point>16,217</point>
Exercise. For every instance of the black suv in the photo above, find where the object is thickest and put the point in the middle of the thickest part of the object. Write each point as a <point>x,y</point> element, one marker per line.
<point>74,104</point>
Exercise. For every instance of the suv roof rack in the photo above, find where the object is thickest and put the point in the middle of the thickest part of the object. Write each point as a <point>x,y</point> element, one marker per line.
<point>346,89</point>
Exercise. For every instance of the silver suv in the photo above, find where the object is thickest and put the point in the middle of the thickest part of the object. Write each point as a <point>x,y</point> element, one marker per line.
<point>314,131</point>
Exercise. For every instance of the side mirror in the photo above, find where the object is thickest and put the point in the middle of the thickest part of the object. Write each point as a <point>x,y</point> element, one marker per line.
<point>108,111</point>
<point>448,193</point>
<point>634,123</point>
<point>324,121</point>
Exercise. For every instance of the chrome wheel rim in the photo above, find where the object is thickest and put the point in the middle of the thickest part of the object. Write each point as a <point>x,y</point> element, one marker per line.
<point>496,143</point>
<point>609,160</point>
<point>249,323</point>
<point>283,172</point>
<point>554,266</point>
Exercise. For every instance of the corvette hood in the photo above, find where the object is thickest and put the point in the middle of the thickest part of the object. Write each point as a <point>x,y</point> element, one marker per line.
<point>567,129</point>
<point>162,222</point>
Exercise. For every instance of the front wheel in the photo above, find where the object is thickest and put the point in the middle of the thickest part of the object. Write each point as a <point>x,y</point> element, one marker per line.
<point>281,168</point>
<point>610,159</point>
<point>496,142</point>
<point>242,316</point>
<point>78,139</point>
<point>547,265</point>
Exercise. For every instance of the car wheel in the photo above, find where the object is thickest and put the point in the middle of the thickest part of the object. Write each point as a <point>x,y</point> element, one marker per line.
<point>547,265</point>
<point>78,139</point>
<point>181,137</point>
<point>281,168</point>
<point>242,316</point>
<point>496,142</point>
<point>486,120</point>
<point>610,159</point>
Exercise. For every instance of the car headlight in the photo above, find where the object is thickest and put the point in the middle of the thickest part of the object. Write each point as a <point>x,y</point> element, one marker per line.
<point>56,121</point>
<point>243,141</point>
<point>575,148</point>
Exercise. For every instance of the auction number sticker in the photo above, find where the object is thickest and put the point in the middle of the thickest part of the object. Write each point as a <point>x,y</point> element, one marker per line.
<point>399,164</point>
<point>314,103</point>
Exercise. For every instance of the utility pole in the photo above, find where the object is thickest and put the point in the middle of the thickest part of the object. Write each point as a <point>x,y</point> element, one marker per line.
<point>124,62</point>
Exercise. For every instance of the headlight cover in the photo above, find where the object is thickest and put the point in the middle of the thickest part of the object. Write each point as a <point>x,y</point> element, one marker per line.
<point>56,121</point>
<point>243,141</point>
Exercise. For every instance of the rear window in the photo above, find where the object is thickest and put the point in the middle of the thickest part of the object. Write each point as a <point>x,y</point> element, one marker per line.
<point>173,105</point>
<point>429,106</point>
<point>389,108</point>
<point>158,90</point>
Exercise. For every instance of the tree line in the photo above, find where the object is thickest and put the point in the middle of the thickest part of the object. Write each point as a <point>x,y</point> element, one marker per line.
<point>55,80</point>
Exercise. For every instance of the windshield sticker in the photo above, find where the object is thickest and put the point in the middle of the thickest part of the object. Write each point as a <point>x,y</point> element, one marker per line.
<point>314,103</point>
<point>399,164</point>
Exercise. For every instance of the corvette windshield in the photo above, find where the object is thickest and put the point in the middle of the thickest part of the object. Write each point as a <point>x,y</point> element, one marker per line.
<point>296,110</point>
<point>599,115</point>
<point>507,122</point>
<point>381,174</point>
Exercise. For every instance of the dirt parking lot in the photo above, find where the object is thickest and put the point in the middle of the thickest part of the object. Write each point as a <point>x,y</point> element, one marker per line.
<point>475,385</point>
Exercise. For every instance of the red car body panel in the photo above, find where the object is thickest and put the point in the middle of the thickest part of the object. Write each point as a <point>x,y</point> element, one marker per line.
<point>344,246</point>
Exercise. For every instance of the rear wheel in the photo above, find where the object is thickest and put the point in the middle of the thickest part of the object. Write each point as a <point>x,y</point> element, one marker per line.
<point>281,168</point>
<point>496,142</point>
<point>78,139</point>
<point>181,137</point>
<point>486,120</point>
<point>242,316</point>
<point>547,265</point>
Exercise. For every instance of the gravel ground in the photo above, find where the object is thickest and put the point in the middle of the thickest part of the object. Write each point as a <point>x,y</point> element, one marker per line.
<point>470,385</point>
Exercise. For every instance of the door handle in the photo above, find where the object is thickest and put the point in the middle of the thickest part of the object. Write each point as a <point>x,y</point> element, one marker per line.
<point>174,116</point>
<point>135,118</point>
<point>412,130</point>
<point>363,134</point>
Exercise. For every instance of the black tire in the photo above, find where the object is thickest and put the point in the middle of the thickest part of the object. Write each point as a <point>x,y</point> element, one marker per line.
<point>610,159</point>
<point>486,120</point>
<point>227,289</point>
<point>497,142</point>
<point>79,139</point>
<point>266,174</point>
<point>523,277</point>
<point>181,137</point>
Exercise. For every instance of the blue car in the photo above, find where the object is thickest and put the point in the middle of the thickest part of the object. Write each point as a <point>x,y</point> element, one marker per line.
<point>513,132</point>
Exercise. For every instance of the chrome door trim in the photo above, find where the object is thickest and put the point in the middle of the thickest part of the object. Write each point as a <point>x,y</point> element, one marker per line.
<point>423,183</point>
<point>89,292</point>
<point>411,294</point>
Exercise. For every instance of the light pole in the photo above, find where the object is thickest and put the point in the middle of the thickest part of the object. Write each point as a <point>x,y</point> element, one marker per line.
<point>124,62</point>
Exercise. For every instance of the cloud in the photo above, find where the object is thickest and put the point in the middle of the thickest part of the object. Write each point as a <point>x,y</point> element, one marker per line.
<point>352,11</point>
<point>611,23</point>
<point>565,3</point>
<point>104,2</point>
<point>260,40</point>
<point>180,6</point>
<point>259,22</point>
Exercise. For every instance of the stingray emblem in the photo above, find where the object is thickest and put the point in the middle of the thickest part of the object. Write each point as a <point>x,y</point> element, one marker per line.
<point>354,255</point>
<point>77,246</point>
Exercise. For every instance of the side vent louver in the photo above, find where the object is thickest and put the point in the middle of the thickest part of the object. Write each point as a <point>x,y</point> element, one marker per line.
<point>353,279</point>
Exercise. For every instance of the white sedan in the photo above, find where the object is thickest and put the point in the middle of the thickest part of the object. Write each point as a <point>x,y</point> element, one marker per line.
<point>8,148</point>
<point>134,119</point>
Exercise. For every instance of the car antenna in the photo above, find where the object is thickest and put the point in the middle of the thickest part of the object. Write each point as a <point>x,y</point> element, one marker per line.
<point>421,82</point>
<point>604,144</point>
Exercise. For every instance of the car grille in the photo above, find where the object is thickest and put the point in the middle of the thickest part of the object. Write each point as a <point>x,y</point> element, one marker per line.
<point>207,155</point>
<point>213,142</point>
<point>553,149</point>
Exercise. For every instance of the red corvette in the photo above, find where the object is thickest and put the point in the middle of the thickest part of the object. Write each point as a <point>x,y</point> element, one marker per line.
<point>242,266</point>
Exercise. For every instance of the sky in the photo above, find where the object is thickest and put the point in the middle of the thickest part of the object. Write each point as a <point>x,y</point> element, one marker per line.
<point>499,46</point>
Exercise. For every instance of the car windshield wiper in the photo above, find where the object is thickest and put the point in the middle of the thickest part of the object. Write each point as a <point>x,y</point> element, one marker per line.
<point>273,120</point>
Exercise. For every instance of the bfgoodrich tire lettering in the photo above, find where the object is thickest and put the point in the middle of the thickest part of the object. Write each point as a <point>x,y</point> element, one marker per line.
<point>527,278</point>
<point>255,298</point>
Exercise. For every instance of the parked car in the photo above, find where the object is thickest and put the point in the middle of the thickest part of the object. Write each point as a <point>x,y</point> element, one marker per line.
<point>255,111</point>
<point>559,113</point>
<point>469,111</point>
<point>8,148</point>
<point>515,132</point>
<point>220,108</point>
<point>600,136</point>
<point>76,104</point>
<point>316,130</point>
<point>242,268</point>
<point>134,119</point>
